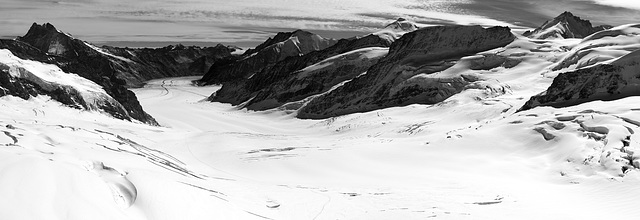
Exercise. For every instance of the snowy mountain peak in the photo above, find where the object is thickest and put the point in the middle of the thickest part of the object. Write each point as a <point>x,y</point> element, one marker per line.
<point>566,25</point>
<point>396,29</point>
<point>402,25</point>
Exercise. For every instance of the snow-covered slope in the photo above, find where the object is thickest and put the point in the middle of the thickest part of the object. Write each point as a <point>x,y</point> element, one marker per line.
<point>82,92</point>
<point>474,153</point>
<point>211,161</point>
<point>619,79</point>
<point>601,46</point>
<point>393,82</point>
<point>133,65</point>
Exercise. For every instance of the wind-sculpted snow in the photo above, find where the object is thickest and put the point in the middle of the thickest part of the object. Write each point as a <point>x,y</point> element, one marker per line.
<point>405,76</point>
<point>601,47</point>
<point>123,191</point>
<point>469,157</point>
<point>469,153</point>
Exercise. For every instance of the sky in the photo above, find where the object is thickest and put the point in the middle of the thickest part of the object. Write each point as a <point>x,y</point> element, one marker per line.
<point>248,22</point>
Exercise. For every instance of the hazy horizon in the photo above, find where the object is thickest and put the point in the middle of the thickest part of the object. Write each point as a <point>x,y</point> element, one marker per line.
<point>247,23</point>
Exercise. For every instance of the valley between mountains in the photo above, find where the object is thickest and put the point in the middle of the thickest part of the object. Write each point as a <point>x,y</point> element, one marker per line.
<point>410,122</point>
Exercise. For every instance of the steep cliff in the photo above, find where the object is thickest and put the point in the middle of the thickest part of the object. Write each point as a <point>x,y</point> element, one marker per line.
<point>134,66</point>
<point>405,76</point>
<point>20,78</point>
<point>263,85</point>
<point>273,50</point>
<point>112,69</point>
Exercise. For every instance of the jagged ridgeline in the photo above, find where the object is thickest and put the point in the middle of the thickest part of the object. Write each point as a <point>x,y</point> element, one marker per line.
<point>90,77</point>
<point>402,77</point>
<point>603,66</point>
<point>566,25</point>
<point>357,74</point>
<point>397,66</point>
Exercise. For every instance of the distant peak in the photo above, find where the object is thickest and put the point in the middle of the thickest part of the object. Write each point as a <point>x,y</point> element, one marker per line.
<point>565,25</point>
<point>300,32</point>
<point>566,16</point>
<point>49,26</point>
<point>46,27</point>
<point>402,24</point>
<point>38,31</point>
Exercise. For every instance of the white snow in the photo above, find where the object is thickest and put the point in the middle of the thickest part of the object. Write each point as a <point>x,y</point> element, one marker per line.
<point>602,47</point>
<point>396,29</point>
<point>51,77</point>
<point>359,54</point>
<point>99,50</point>
<point>470,157</point>
<point>463,159</point>
<point>620,3</point>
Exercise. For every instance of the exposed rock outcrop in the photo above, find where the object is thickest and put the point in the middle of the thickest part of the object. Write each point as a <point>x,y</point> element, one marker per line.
<point>113,69</point>
<point>612,81</point>
<point>135,66</point>
<point>273,50</point>
<point>566,25</point>
<point>404,77</point>
<point>264,85</point>
<point>126,105</point>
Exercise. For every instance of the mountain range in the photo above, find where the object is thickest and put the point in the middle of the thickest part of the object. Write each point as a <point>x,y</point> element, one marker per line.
<point>407,122</point>
<point>317,77</point>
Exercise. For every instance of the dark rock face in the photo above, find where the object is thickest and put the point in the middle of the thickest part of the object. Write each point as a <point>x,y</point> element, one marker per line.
<point>566,25</point>
<point>97,72</point>
<point>17,87</point>
<point>603,82</point>
<point>113,68</point>
<point>402,77</point>
<point>282,46</point>
<point>305,83</point>
<point>140,65</point>
<point>267,84</point>
<point>135,66</point>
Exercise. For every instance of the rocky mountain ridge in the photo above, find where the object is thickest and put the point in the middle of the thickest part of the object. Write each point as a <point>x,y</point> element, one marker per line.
<point>566,25</point>
<point>113,69</point>
<point>402,77</point>
<point>273,50</point>
<point>616,80</point>
<point>245,89</point>
<point>134,65</point>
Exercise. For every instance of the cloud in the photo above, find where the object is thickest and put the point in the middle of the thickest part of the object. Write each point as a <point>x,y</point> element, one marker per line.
<point>224,20</point>
<point>632,4</point>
